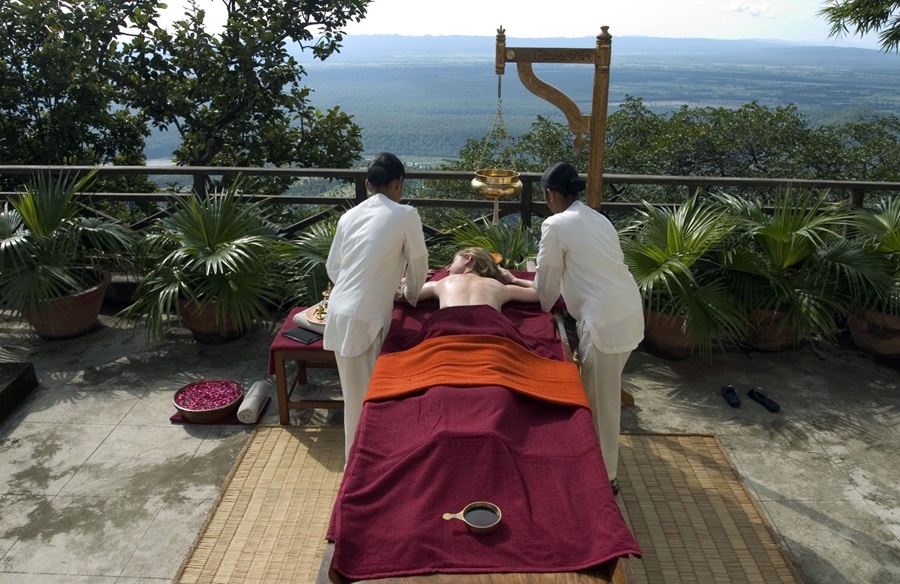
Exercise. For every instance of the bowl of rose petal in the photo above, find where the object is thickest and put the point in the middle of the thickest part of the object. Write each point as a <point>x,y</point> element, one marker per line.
<point>208,400</point>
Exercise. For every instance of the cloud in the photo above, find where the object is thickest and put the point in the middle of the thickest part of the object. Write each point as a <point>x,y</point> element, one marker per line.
<point>755,9</point>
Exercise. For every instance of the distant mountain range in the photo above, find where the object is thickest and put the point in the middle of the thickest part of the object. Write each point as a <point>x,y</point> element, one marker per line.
<point>423,97</point>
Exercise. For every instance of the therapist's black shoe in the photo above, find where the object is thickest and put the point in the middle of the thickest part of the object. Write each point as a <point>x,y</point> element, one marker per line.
<point>615,486</point>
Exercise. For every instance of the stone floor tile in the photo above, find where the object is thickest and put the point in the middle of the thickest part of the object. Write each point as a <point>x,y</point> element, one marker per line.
<point>146,461</point>
<point>837,542</point>
<point>82,536</point>
<point>20,578</point>
<point>780,474</point>
<point>889,512</point>
<point>870,463</point>
<point>80,402</point>
<point>154,408</point>
<point>40,458</point>
<point>16,512</point>
<point>160,552</point>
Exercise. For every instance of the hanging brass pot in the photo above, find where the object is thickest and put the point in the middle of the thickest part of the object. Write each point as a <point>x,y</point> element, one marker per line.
<point>496,183</point>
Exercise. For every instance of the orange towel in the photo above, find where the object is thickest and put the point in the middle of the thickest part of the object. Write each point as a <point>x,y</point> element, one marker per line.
<point>474,361</point>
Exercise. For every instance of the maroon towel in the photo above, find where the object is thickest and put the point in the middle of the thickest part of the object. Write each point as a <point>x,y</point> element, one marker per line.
<point>282,342</point>
<point>418,457</point>
<point>521,323</point>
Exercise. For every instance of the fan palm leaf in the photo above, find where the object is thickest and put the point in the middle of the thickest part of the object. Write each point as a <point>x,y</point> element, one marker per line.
<point>877,232</point>
<point>48,249</point>
<point>670,251</point>
<point>794,259</point>
<point>309,276</point>
<point>218,250</point>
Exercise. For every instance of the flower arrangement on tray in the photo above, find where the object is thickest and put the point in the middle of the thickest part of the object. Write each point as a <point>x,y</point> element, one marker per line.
<point>208,400</point>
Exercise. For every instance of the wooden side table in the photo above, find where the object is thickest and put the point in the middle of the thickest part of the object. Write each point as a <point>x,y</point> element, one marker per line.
<point>311,356</point>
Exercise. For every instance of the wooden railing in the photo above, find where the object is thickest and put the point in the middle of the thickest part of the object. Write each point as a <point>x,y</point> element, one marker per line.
<point>528,205</point>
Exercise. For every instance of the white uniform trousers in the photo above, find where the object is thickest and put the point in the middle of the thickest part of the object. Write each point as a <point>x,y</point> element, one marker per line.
<point>601,374</point>
<point>355,373</point>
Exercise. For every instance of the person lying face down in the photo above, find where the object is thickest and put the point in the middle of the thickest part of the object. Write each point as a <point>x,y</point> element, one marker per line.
<point>476,279</point>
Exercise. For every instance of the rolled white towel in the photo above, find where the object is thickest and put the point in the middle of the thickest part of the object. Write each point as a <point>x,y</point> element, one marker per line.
<point>301,321</point>
<point>255,399</point>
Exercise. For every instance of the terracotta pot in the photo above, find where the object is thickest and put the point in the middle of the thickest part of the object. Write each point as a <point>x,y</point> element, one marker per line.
<point>876,333</point>
<point>769,331</point>
<point>665,336</point>
<point>70,316</point>
<point>201,321</point>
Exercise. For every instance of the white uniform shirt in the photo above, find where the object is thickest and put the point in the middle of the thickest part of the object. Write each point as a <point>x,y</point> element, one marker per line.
<point>580,257</point>
<point>374,243</point>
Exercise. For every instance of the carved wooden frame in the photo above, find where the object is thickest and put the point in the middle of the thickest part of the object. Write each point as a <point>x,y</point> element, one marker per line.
<point>579,123</point>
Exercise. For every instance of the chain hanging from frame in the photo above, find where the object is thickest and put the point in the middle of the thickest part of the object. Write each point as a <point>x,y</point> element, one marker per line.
<point>497,178</point>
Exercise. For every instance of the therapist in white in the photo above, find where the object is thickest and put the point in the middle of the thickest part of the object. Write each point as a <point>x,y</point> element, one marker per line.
<point>375,243</point>
<point>580,258</point>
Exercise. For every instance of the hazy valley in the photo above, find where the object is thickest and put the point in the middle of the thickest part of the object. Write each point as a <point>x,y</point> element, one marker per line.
<point>423,97</point>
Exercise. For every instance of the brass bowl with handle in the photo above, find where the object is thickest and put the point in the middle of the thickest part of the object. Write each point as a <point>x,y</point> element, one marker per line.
<point>480,517</point>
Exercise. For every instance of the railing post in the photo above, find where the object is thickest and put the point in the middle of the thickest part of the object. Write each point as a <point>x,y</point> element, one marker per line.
<point>857,197</point>
<point>361,193</point>
<point>525,206</point>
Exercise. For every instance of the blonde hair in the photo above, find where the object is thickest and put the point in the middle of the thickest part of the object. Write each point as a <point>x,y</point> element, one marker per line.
<point>483,263</point>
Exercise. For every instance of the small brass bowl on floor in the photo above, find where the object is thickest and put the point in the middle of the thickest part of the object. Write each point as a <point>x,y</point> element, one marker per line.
<point>480,517</point>
<point>496,183</point>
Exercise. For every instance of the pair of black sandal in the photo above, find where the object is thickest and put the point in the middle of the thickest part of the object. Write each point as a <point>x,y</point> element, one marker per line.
<point>756,394</point>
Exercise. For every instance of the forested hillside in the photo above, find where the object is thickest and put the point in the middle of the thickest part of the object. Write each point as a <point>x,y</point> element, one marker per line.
<point>423,97</point>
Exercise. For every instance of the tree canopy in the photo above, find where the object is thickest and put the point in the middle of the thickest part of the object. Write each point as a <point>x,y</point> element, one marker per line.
<point>57,102</point>
<point>863,17</point>
<point>751,141</point>
<point>81,81</point>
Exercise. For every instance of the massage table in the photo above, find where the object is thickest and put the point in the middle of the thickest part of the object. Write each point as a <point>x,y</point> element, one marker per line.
<point>470,404</point>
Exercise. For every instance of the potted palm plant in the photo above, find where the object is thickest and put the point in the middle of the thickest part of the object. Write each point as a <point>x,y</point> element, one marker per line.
<point>671,252</point>
<point>55,263</point>
<point>216,262</point>
<point>309,279</point>
<point>785,266</point>
<point>875,319</point>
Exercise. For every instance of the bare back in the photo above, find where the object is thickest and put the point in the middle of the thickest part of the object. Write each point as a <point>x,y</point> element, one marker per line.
<point>470,289</point>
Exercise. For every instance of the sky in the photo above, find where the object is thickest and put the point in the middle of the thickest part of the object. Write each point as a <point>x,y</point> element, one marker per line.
<point>787,20</point>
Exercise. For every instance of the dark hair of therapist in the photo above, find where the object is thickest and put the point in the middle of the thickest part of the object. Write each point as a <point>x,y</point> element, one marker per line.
<point>562,185</point>
<point>580,258</point>
<point>383,169</point>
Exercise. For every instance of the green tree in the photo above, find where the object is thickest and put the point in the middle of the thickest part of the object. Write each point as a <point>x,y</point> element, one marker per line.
<point>548,142</point>
<point>871,149</point>
<point>57,105</point>
<point>632,133</point>
<point>235,97</point>
<point>750,141</point>
<point>863,17</point>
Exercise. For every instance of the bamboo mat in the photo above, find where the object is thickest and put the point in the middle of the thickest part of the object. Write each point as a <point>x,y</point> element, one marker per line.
<point>681,496</point>
<point>269,525</point>
<point>691,515</point>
